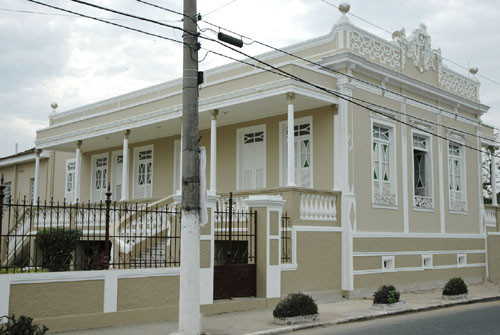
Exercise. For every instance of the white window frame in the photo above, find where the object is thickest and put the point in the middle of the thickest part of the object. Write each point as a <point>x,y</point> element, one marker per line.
<point>92,177</point>
<point>114,157</point>
<point>379,122</point>
<point>239,140</point>
<point>136,151</point>
<point>73,197</point>
<point>463,178</point>
<point>429,173</point>
<point>283,165</point>
<point>7,192</point>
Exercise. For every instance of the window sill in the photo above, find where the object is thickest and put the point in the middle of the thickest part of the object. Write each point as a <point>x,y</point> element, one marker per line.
<point>459,213</point>
<point>428,210</point>
<point>384,207</point>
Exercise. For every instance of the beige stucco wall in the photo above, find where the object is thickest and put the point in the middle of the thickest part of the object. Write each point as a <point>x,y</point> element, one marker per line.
<point>163,161</point>
<point>319,264</point>
<point>392,220</point>
<point>494,257</point>
<point>57,299</point>
<point>416,244</point>
<point>20,176</point>
<point>136,293</point>
<point>367,281</point>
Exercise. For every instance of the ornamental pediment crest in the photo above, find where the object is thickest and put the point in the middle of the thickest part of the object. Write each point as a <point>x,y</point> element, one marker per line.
<point>417,48</point>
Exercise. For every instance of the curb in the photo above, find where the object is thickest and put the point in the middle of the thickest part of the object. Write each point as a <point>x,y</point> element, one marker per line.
<point>370,317</point>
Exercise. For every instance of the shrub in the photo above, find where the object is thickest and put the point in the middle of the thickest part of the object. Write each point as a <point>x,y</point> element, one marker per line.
<point>455,286</point>
<point>22,326</point>
<point>57,246</point>
<point>295,304</point>
<point>386,295</point>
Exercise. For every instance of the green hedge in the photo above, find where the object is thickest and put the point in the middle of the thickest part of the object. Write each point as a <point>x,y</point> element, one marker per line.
<point>295,304</point>
<point>386,294</point>
<point>22,326</point>
<point>455,286</point>
<point>57,246</point>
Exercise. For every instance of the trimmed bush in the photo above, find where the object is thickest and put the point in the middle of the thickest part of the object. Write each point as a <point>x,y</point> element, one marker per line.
<point>386,294</point>
<point>22,326</point>
<point>295,304</point>
<point>57,246</point>
<point>455,286</point>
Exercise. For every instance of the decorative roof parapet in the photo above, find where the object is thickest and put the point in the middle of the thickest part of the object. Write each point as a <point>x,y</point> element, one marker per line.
<point>415,48</point>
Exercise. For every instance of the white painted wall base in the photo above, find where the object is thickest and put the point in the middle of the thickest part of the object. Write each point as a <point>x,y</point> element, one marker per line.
<point>189,293</point>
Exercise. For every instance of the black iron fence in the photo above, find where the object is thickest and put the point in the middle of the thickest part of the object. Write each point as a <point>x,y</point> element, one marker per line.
<point>59,236</point>
<point>286,239</point>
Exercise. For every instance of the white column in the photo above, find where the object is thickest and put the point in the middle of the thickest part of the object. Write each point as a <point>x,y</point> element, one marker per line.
<point>291,141</point>
<point>493,177</point>
<point>441,153</point>
<point>78,170</point>
<point>213,152</point>
<point>125,167</point>
<point>404,156</point>
<point>37,175</point>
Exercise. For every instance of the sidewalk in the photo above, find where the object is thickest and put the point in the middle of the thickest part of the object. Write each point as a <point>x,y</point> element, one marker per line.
<point>260,322</point>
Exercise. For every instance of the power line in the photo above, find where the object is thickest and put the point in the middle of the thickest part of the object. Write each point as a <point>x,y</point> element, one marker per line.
<point>105,21</point>
<point>335,71</point>
<point>351,76</point>
<point>276,71</point>
<point>390,33</point>
<point>64,15</point>
<point>218,8</point>
<point>128,15</point>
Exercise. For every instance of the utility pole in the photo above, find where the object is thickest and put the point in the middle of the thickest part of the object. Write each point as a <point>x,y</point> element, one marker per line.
<point>189,298</point>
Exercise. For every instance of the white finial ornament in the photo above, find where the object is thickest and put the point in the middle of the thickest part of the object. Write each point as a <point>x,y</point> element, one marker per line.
<point>344,8</point>
<point>54,107</point>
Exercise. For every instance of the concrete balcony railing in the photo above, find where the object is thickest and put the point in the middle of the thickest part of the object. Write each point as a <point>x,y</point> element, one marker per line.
<point>304,206</point>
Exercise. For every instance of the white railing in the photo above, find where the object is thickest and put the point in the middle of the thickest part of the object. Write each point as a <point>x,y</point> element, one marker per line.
<point>318,207</point>
<point>490,215</point>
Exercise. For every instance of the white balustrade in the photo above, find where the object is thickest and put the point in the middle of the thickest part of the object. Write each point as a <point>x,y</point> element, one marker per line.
<point>490,216</point>
<point>318,207</point>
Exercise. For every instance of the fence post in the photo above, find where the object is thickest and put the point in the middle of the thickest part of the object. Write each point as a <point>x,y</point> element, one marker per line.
<point>2,188</point>
<point>106,243</point>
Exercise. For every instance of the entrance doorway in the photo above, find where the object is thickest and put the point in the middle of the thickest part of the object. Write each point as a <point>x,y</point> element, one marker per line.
<point>235,267</point>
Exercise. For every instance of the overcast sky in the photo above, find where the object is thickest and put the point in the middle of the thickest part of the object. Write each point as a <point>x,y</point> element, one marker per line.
<point>75,61</point>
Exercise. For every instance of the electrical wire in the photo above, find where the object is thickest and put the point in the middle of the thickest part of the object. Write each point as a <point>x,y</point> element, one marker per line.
<point>218,8</point>
<point>108,22</point>
<point>275,70</point>
<point>454,115</point>
<point>390,33</point>
<point>75,16</point>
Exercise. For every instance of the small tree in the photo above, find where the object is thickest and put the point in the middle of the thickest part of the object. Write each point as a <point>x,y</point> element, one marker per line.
<point>57,246</point>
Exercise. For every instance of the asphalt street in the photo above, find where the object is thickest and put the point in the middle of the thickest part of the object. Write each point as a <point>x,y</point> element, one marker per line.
<point>483,319</point>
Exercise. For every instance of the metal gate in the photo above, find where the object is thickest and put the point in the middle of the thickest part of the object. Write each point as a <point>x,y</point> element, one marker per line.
<point>235,269</point>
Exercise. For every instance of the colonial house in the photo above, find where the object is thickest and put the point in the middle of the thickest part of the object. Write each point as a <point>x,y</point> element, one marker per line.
<point>379,184</point>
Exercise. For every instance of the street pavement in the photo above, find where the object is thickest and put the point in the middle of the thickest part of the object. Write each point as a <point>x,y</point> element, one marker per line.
<point>260,322</point>
<point>463,319</point>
